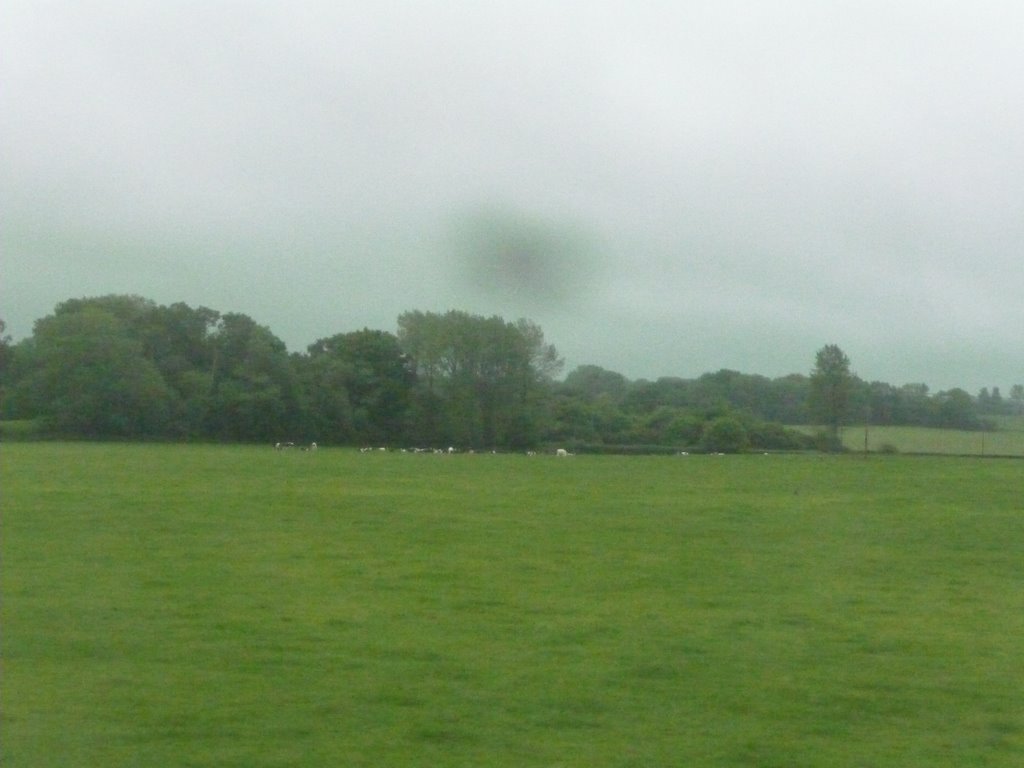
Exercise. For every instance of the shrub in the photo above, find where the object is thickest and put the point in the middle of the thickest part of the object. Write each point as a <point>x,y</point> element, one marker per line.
<point>725,435</point>
<point>21,429</point>
<point>827,442</point>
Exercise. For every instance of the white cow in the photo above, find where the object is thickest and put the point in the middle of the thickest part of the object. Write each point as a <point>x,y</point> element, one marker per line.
<point>561,452</point>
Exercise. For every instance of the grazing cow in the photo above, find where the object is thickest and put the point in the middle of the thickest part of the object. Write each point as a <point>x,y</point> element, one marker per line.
<point>561,452</point>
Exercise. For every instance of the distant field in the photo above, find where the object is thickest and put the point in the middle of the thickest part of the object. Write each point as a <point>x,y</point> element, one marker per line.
<point>231,606</point>
<point>1012,423</point>
<point>1007,441</point>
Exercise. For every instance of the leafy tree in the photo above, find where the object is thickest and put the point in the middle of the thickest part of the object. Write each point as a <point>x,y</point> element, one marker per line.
<point>571,421</point>
<point>998,404</point>
<point>327,411</point>
<point>255,389</point>
<point>1017,397</point>
<point>481,381</point>
<point>685,429</point>
<point>130,309</point>
<point>881,402</point>
<point>121,365</point>
<point>85,374</point>
<point>590,381</point>
<point>984,400</point>
<point>362,385</point>
<point>741,391</point>
<point>177,339</point>
<point>654,427</point>
<point>955,410</point>
<point>773,436</point>
<point>725,434</point>
<point>913,405</point>
<point>831,384</point>
<point>6,357</point>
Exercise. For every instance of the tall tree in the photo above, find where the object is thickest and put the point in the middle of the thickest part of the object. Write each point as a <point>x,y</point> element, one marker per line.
<point>589,381</point>
<point>255,390</point>
<point>831,385</point>
<point>6,355</point>
<point>85,374</point>
<point>177,339</point>
<point>363,382</point>
<point>1017,396</point>
<point>482,380</point>
<point>954,409</point>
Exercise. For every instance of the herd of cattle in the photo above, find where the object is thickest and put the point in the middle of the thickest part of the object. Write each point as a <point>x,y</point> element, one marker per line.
<point>443,452</point>
<point>285,446</point>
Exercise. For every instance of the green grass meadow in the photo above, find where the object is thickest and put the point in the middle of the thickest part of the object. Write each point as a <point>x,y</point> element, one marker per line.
<point>237,606</point>
<point>1008,440</point>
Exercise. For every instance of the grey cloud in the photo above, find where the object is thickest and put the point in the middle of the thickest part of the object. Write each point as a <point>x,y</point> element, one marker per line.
<point>679,187</point>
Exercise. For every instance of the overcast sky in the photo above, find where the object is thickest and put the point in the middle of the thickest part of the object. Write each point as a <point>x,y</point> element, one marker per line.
<point>667,188</point>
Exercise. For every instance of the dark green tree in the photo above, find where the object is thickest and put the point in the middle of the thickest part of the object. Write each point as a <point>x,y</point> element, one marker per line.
<point>998,405</point>
<point>955,409</point>
<point>327,412</point>
<point>831,386</point>
<point>6,358</point>
<point>1017,397</point>
<point>361,384</point>
<point>177,339</point>
<point>85,374</point>
<point>726,434</point>
<point>913,405</point>
<point>482,381</point>
<point>572,421</point>
<point>255,390</point>
<point>590,381</point>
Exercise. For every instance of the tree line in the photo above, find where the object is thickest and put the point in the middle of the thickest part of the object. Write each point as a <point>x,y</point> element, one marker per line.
<point>123,366</point>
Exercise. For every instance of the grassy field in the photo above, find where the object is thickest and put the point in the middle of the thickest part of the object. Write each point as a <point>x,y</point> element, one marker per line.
<point>1007,440</point>
<point>947,441</point>
<point>229,606</point>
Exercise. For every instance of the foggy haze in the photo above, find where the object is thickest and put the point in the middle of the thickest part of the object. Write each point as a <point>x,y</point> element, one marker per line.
<point>666,188</point>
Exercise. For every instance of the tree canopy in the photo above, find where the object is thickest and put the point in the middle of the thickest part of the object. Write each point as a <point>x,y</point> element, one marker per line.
<point>831,385</point>
<point>480,379</point>
<point>122,366</point>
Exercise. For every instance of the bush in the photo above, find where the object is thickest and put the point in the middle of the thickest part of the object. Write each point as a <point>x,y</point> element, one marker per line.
<point>771,436</point>
<point>725,435</point>
<point>21,429</point>
<point>827,442</point>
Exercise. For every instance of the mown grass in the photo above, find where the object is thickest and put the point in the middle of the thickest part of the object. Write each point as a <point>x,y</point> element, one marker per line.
<point>1006,440</point>
<point>1003,442</point>
<point>206,606</point>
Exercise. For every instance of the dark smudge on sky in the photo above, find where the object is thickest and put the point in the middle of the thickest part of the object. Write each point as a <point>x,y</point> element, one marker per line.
<point>501,250</point>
